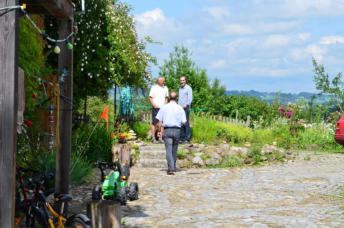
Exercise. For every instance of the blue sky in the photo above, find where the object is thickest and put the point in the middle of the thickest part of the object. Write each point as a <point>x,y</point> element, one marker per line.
<point>264,45</point>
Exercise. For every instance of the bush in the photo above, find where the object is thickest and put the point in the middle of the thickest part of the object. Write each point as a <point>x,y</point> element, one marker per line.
<point>233,133</point>
<point>318,133</point>
<point>204,130</point>
<point>181,154</point>
<point>92,143</point>
<point>141,129</point>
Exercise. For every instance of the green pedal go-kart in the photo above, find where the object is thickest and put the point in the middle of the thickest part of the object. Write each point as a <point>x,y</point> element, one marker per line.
<point>115,184</point>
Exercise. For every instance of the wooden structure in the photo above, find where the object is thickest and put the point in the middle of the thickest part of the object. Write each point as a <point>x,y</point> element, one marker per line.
<point>104,213</point>
<point>121,152</point>
<point>63,11</point>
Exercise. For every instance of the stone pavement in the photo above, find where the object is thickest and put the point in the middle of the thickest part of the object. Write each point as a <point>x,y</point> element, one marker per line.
<point>302,193</point>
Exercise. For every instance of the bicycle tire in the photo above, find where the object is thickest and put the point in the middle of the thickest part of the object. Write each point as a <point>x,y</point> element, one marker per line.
<point>76,222</point>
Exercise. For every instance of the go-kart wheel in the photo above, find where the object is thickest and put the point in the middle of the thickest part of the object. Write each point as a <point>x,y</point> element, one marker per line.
<point>133,192</point>
<point>123,195</point>
<point>97,193</point>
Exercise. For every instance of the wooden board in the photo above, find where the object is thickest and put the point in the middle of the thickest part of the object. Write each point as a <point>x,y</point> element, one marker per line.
<point>8,111</point>
<point>104,214</point>
<point>121,152</point>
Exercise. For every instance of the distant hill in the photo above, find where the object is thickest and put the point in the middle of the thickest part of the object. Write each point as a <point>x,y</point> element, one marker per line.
<point>283,97</point>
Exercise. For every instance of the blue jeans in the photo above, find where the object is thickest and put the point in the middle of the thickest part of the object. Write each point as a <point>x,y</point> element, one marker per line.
<point>171,139</point>
<point>185,130</point>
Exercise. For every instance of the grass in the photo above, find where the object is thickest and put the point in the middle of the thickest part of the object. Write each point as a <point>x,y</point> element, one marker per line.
<point>181,154</point>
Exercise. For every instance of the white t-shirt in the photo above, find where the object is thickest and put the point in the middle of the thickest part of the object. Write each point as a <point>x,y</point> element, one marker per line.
<point>159,93</point>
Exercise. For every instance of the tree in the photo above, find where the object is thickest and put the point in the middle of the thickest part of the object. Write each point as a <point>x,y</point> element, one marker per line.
<point>107,50</point>
<point>325,85</point>
<point>181,64</point>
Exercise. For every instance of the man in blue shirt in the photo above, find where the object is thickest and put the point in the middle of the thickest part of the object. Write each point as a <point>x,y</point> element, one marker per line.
<point>185,99</point>
<point>171,116</point>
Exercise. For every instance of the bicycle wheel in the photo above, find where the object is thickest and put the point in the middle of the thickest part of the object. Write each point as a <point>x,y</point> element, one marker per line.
<point>77,222</point>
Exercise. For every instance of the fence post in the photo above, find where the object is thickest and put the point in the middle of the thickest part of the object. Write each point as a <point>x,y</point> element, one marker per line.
<point>248,121</point>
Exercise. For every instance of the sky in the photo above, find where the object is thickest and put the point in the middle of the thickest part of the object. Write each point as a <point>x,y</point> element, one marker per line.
<point>263,45</point>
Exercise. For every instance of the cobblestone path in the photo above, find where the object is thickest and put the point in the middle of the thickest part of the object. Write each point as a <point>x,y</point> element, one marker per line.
<point>302,193</point>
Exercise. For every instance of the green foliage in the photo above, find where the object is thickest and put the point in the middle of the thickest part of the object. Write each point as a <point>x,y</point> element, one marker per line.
<point>334,87</point>
<point>96,107</point>
<point>107,50</point>
<point>204,130</point>
<point>141,129</point>
<point>92,143</point>
<point>233,133</point>
<point>321,134</point>
<point>230,161</point>
<point>181,154</point>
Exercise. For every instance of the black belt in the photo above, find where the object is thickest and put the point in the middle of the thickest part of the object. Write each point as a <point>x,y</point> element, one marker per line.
<point>171,127</point>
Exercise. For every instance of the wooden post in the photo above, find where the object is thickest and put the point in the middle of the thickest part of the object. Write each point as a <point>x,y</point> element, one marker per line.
<point>248,120</point>
<point>121,152</point>
<point>236,116</point>
<point>104,214</point>
<point>8,110</point>
<point>65,129</point>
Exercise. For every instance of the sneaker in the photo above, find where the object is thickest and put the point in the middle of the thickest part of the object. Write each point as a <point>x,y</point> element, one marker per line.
<point>161,140</point>
<point>154,141</point>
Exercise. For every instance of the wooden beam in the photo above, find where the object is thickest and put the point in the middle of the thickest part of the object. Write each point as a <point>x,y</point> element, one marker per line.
<point>62,9</point>
<point>63,154</point>
<point>8,111</point>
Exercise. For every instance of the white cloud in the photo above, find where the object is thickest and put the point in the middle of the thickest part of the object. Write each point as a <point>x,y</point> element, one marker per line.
<point>218,64</point>
<point>150,17</point>
<point>276,41</point>
<point>160,28</point>
<point>267,72</point>
<point>327,40</point>
<point>304,36</point>
<point>237,29</point>
<point>297,8</point>
<point>218,12</point>
<point>309,8</point>
<point>310,51</point>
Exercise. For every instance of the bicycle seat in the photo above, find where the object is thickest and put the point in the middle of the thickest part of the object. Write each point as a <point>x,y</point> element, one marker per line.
<point>63,198</point>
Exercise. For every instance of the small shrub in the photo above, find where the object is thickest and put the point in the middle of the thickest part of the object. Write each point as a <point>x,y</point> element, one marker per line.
<point>141,129</point>
<point>92,143</point>
<point>230,161</point>
<point>181,154</point>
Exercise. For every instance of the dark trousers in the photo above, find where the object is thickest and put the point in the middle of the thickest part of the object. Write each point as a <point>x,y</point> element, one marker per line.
<point>171,139</point>
<point>185,130</point>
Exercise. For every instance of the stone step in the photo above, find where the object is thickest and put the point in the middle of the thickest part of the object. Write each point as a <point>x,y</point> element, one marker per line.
<point>153,148</point>
<point>157,154</point>
<point>152,163</point>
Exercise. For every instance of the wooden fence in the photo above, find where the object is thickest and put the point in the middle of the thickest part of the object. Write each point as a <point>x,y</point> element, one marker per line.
<point>147,118</point>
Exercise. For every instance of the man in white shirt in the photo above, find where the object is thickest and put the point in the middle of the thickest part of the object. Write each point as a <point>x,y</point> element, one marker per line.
<point>158,96</point>
<point>171,117</point>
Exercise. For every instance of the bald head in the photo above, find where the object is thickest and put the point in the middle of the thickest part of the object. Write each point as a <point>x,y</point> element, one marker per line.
<point>161,80</point>
<point>173,96</point>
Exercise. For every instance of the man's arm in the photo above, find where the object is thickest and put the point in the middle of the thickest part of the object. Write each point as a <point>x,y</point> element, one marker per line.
<point>166,96</point>
<point>183,117</point>
<point>189,96</point>
<point>152,102</point>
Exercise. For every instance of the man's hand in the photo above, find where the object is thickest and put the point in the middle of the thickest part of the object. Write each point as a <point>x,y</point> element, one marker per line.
<point>185,106</point>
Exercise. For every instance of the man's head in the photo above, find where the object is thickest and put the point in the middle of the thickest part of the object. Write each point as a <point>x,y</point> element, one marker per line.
<point>161,81</point>
<point>173,96</point>
<point>182,81</point>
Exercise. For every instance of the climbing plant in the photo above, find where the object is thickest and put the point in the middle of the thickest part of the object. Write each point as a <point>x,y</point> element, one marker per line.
<point>107,50</point>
